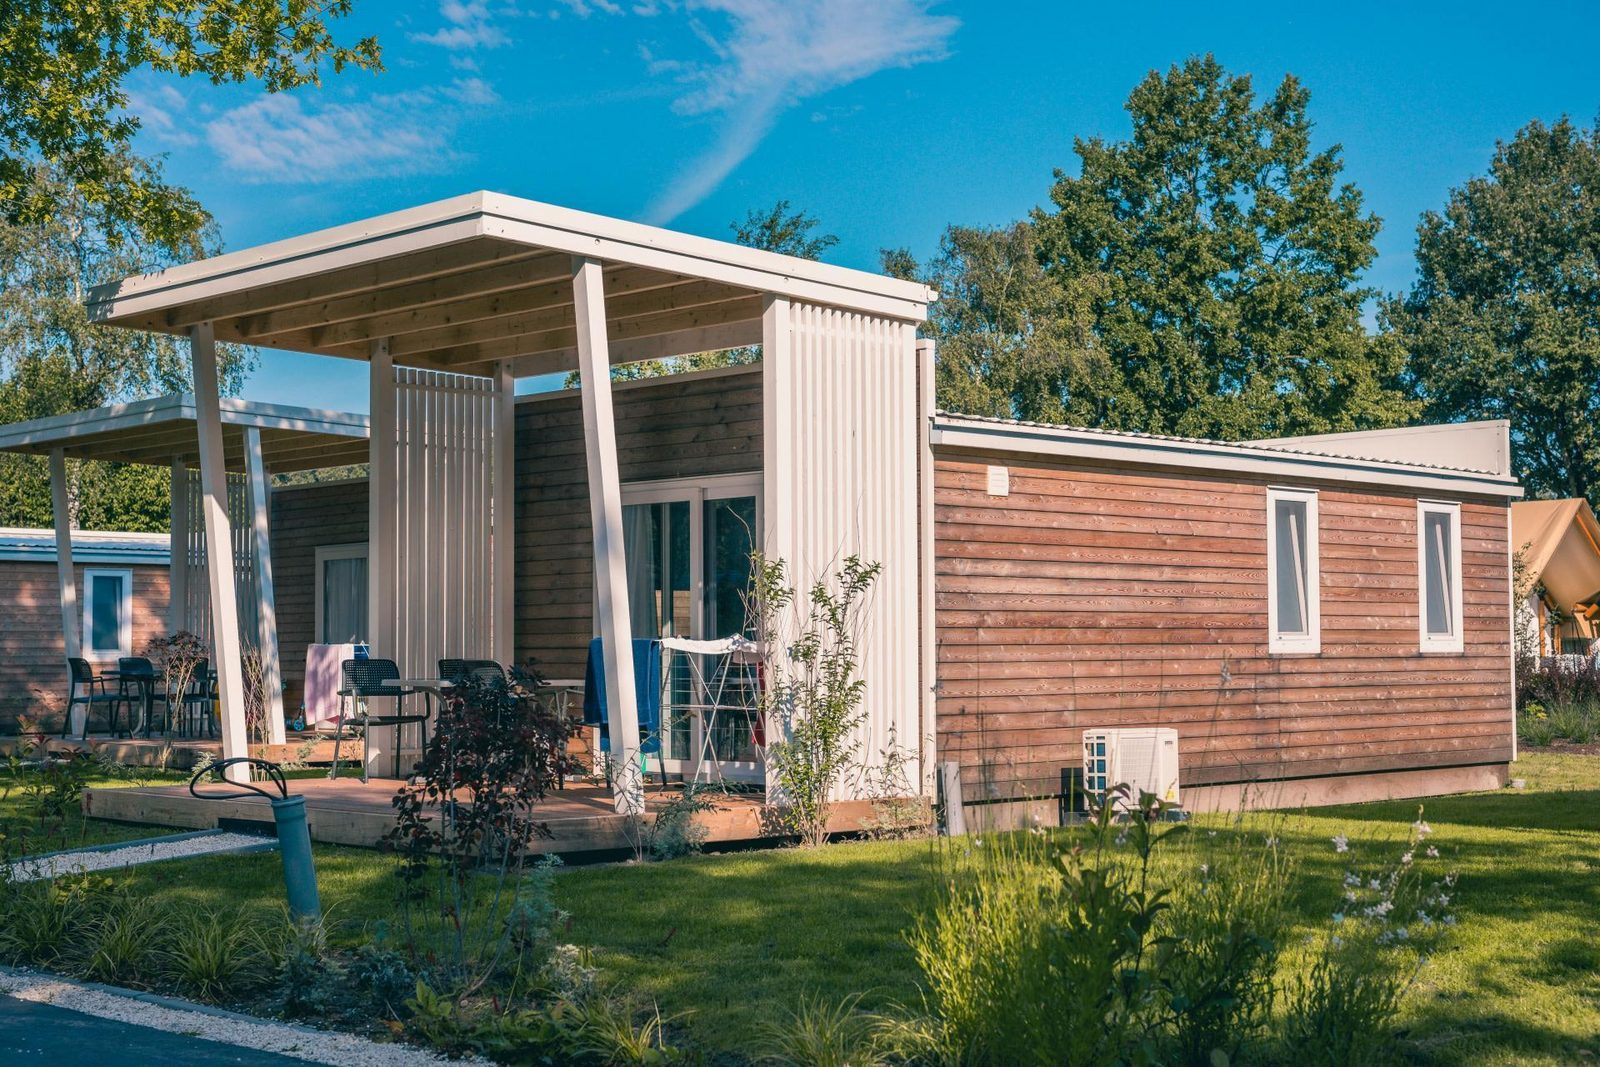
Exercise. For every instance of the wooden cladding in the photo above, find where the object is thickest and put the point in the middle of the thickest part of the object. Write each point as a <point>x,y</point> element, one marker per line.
<point>1090,597</point>
<point>667,428</point>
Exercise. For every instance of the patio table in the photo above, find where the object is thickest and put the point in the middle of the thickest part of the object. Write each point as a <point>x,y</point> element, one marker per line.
<point>146,681</point>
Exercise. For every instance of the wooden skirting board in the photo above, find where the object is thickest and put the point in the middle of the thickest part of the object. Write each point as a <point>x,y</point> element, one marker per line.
<point>346,812</point>
<point>180,754</point>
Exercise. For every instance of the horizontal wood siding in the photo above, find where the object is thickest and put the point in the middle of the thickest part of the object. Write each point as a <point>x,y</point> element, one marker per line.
<point>666,428</point>
<point>33,664</point>
<point>304,518</point>
<point>1098,598</point>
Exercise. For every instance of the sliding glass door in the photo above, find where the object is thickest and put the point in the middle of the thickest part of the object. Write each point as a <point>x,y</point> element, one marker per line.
<point>688,545</point>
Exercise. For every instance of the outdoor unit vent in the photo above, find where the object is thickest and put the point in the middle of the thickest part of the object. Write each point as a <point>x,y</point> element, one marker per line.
<point>1144,758</point>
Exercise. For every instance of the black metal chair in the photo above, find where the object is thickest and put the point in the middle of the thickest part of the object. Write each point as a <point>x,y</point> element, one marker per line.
<point>462,671</point>
<point>90,690</point>
<point>194,706</point>
<point>136,681</point>
<point>363,679</point>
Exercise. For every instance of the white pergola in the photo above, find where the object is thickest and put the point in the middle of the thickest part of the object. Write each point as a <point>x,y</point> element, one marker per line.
<point>249,441</point>
<point>450,303</point>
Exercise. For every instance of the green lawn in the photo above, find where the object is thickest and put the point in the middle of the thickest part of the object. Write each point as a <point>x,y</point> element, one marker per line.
<point>735,940</point>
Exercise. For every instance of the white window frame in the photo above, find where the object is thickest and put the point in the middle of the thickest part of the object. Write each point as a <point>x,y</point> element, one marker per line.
<point>1310,641</point>
<point>1455,641</point>
<point>125,626</point>
<point>349,550</point>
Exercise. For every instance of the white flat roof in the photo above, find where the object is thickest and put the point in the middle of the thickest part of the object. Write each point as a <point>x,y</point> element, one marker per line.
<point>462,283</point>
<point>25,544</point>
<point>161,429</point>
<point>1300,460</point>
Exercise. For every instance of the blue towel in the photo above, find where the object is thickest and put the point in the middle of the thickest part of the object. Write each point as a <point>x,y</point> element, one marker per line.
<point>646,689</point>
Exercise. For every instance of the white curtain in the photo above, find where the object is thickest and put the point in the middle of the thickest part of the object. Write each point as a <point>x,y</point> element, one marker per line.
<point>639,545</point>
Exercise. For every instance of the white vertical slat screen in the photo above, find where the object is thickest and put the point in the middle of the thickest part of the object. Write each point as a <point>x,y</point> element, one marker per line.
<point>192,542</point>
<point>842,446</point>
<point>442,590</point>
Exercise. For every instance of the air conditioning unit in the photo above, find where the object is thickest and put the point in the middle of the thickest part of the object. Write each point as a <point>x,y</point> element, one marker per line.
<point>1143,758</point>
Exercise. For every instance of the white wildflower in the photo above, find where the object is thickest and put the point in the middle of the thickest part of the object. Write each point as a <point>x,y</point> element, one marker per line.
<point>1374,884</point>
<point>1432,853</point>
<point>1341,843</point>
<point>1406,859</point>
<point>1421,829</point>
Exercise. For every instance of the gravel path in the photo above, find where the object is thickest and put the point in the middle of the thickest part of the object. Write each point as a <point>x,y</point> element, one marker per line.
<point>101,859</point>
<point>183,1022</point>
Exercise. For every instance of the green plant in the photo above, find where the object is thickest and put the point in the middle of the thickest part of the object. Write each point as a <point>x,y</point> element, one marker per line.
<point>823,1034</point>
<point>613,1034</point>
<point>1534,726</point>
<point>121,943</point>
<point>814,689</point>
<point>462,831</point>
<point>897,811</point>
<point>675,831</point>
<point>1574,721</point>
<point>211,953</point>
<point>42,917</point>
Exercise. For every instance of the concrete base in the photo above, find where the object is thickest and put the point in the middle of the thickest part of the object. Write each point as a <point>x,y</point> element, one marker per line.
<point>1257,796</point>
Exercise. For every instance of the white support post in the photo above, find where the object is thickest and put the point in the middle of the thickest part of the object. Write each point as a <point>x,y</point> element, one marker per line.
<point>178,563</point>
<point>66,581</point>
<point>267,616</point>
<point>777,443</point>
<point>928,680</point>
<point>227,653</point>
<point>605,509</point>
<point>505,518</point>
<point>381,517</point>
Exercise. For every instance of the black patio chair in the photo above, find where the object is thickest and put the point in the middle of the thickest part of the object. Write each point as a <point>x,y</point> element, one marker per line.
<point>136,680</point>
<point>363,679</point>
<point>195,706</point>
<point>92,691</point>
<point>462,671</point>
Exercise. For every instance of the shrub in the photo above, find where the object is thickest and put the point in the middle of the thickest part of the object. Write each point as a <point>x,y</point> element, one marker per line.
<point>814,688</point>
<point>819,1034</point>
<point>675,831</point>
<point>464,829</point>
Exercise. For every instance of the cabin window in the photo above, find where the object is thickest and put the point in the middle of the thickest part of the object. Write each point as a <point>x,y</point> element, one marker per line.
<point>341,593</point>
<point>1294,601</point>
<point>107,614</point>
<point>1439,576</point>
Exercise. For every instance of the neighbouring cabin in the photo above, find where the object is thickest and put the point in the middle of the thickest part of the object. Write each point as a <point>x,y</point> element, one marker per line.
<point>120,585</point>
<point>1293,625</point>
<point>1558,543</point>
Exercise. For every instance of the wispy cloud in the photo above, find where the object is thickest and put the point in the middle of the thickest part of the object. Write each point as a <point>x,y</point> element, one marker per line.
<point>157,109</point>
<point>468,24</point>
<point>767,56</point>
<point>282,137</point>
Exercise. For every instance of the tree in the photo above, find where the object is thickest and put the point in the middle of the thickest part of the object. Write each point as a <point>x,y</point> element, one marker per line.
<point>785,230</point>
<point>1013,341</point>
<point>53,360</point>
<point>63,99</point>
<point>1504,318</point>
<point>1218,262</point>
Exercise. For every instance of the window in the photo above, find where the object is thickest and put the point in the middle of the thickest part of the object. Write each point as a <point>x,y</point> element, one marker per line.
<point>341,594</point>
<point>1294,599</point>
<point>107,614</point>
<point>1439,576</point>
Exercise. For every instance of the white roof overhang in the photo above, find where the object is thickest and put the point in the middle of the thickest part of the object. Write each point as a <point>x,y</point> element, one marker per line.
<point>162,429</point>
<point>461,284</point>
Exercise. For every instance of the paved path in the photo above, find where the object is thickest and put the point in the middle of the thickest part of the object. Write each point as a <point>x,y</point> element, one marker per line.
<point>48,1036</point>
<point>50,1021</point>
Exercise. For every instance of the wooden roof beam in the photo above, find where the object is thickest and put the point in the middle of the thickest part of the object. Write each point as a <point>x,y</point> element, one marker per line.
<point>347,281</point>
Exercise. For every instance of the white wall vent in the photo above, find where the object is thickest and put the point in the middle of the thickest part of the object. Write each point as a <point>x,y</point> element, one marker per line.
<point>1144,758</point>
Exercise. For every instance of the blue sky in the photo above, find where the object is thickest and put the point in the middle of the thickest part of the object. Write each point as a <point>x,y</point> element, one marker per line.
<point>888,119</point>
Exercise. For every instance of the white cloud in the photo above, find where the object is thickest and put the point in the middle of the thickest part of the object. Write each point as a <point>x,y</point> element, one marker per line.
<point>282,138</point>
<point>469,24</point>
<point>157,110</point>
<point>769,55</point>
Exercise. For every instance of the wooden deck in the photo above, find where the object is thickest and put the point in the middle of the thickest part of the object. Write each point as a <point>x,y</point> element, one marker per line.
<point>182,753</point>
<point>348,812</point>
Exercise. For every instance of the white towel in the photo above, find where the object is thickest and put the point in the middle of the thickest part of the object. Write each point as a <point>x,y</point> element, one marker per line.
<point>323,664</point>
